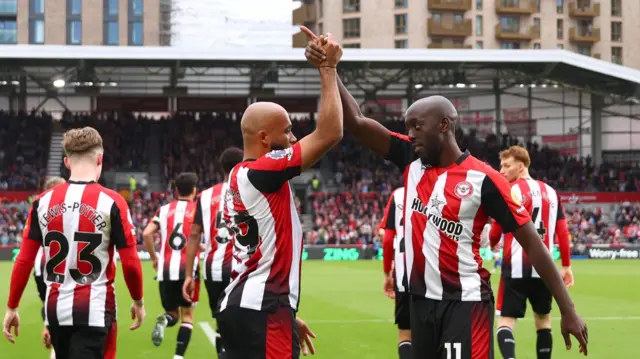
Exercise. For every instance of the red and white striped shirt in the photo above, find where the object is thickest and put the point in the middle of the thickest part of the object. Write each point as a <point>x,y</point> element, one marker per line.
<point>445,211</point>
<point>543,204</point>
<point>393,220</point>
<point>174,220</point>
<point>219,250</point>
<point>80,225</point>
<point>267,234</point>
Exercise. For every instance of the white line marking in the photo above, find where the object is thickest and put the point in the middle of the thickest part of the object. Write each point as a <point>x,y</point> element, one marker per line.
<point>209,332</point>
<point>355,321</point>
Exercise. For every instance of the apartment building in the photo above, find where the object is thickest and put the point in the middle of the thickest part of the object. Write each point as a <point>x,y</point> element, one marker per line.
<point>605,29</point>
<point>85,22</point>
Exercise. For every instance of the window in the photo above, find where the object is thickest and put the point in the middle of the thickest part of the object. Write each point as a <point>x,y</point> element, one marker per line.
<point>457,19</point>
<point>136,8</point>
<point>320,8</point>
<point>350,5</point>
<point>537,5</point>
<point>510,24</point>
<point>616,55</point>
<point>111,35</point>
<point>536,21</point>
<point>616,7</point>
<point>457,44</point>
<point>510,45</point>
<point>560,47</point>
<point>478,25</point>
<point>351,28</point>
<point>436,17</point>
<point>479,45</point>
<point>478,4</point>
<point>559,29</point>
<point>36,7</point>
<point>536,46</point>
<point>135,33</point>
<point>8,32</point>
<point>584,50</point>
<point>110,28</point>
<point>74,32</point>
<point>9,7</point>
<point>111,7</point>
<point>400,4</point>
<point>320,28</point>
<point>559,6</point>
<point>401,44</point>
<point>351,46</point>
<point>616,31</point>
<point>74,7</point>
<point>401,24</point>
<point>36,31</point>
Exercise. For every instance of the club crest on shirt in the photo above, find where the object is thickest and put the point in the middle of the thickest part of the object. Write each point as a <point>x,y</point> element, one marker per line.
<point>463,189</point>
<point>280,154</point>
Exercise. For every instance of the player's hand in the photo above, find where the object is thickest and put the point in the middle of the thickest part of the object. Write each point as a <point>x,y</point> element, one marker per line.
<point>46,338</point>
<point>388,286</point>
<point>572,324</point>
<point>11,320</point>
<point>188,288</point>
<point>567,276</point>
<point>322,51</point>
<point>137,313</point>
<point>305,334</point>
<point>154,261</point>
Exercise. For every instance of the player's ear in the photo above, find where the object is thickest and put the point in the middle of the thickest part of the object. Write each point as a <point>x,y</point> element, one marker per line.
<point>67,163</point>
<point>445,124</point>
<point>100,157</point>
<point>264,138</point>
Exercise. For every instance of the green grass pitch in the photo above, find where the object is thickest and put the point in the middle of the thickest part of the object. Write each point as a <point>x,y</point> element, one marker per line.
<point>343,303</point>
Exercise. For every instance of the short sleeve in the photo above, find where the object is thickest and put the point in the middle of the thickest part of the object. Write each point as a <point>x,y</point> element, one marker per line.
<point>156,217</point>
<point>197,217</point>
<point>271,171</point>
<point>560,211</point>
<point>400,150</point>
<point>123,233</point>
<point>499,204</point>
<point>389,221</point>
<point>32,230</point>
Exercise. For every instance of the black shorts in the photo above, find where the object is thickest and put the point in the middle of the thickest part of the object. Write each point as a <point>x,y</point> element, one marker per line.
<point>42,287</point>
<point>215,291</point>
<point>403,313</point>
<point>171,295</point>
<point>252,334</point>
<point>514,292</point>
<point>451,329</point>
<point>79,342</point>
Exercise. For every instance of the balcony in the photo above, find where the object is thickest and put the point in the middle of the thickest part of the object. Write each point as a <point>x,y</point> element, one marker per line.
<point>304,14</point>
<point>584,10</point>
<point>8,7</point>
<point>583,35</point>
<point>449,5</point>
<point>448,45</point>
<point>299,40</point>
<point>516,33</point>
<point>516,7</point>
<point>449,28</point>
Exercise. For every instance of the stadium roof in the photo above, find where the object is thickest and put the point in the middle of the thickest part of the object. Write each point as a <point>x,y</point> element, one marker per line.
<point>554,65</point>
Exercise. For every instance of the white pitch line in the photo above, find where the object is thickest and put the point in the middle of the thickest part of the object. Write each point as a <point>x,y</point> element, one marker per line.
<point>209,332</point>
<point>355,321</point>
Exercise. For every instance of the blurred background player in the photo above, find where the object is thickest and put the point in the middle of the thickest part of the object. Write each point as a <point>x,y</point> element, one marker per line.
<point>38,270</point>
<point>520,281</point>
<point>394,269</point>
<point>80,302</point>
<point>208,221</point>
<point>174,221</point>
<point>485,242</point>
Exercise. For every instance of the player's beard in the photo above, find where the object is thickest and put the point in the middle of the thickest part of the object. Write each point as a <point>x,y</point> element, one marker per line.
<point>432,151</point>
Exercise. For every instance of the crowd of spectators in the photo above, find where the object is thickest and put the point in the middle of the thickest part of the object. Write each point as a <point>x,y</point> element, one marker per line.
<point>24,149</point>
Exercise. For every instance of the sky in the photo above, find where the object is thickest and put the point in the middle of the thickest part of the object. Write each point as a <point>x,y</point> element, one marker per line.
<point>208,24</point>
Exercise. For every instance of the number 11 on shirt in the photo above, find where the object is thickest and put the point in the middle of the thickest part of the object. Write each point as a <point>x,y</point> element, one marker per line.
<point>454,350</point>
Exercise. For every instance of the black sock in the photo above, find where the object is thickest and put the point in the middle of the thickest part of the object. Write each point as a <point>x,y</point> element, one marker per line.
<point>184,335</point>
<point>544,344</point>
<point>42,313</point>
<point>506,343</point>
<point>404,350</point>
<point>171,321</point>
<point>219,348</point>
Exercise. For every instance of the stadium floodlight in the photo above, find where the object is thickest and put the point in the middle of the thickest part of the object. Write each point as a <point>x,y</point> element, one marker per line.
<point>59,83</point>
<point>113,84</point>
<point>417,86</point>
<point>472,86</point>
<point>461,85</point>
